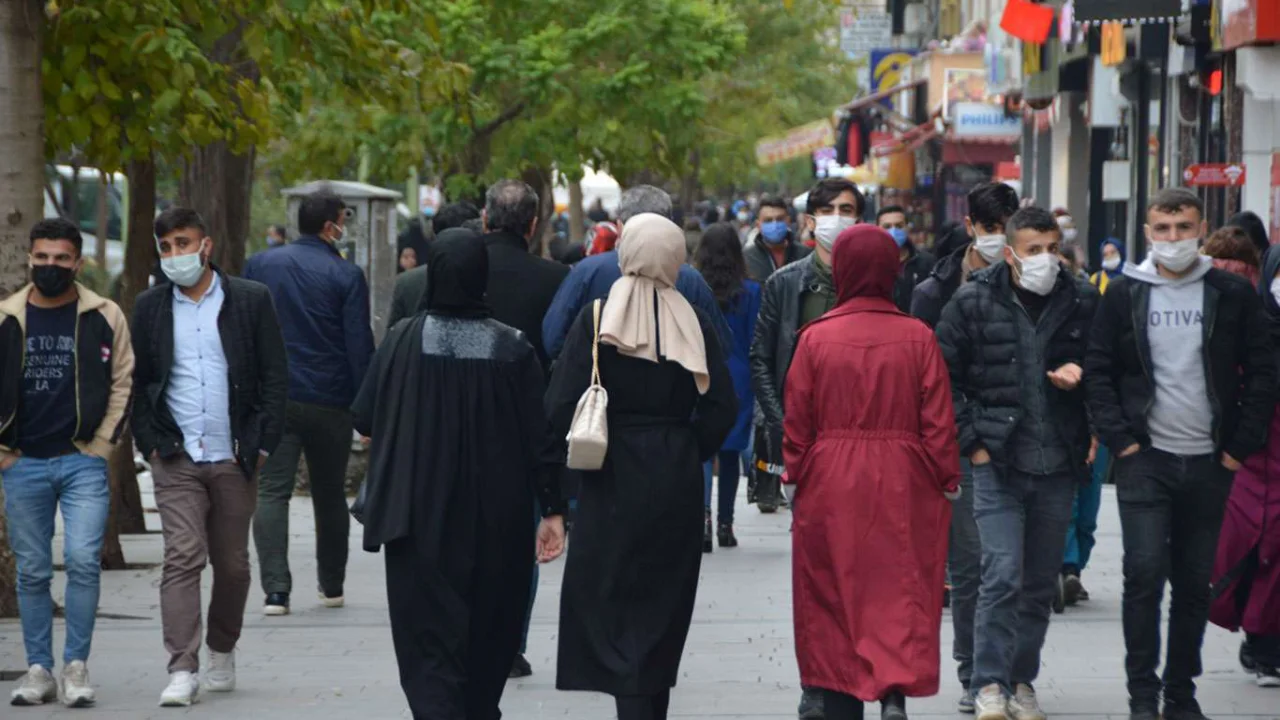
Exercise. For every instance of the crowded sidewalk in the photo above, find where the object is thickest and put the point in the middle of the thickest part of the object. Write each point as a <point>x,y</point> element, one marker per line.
<point>320,664</point>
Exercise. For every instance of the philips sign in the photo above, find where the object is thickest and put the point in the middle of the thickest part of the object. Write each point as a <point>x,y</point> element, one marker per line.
<point>970,119</point>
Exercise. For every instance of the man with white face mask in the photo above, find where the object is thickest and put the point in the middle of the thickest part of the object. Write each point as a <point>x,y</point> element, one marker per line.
<point>1014,339</point>
<point>1181,388</point>
<point>212,380</point>
<point>794,295</point>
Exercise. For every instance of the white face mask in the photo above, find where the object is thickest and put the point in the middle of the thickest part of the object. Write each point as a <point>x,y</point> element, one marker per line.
<point>828,227</point>
<point>1275,289</point>
<point>1111,263</point>
<point>184,270</point>
<point>1037,273</point>
<point>990,247</point>
<point>1069,234</point>
<point>1176,255</point>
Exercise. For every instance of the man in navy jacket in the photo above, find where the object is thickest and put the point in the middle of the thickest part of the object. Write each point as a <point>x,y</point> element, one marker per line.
<point>323,305</point>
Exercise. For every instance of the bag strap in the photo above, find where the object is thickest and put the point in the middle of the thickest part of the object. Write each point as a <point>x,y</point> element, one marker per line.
<point>595,344</point>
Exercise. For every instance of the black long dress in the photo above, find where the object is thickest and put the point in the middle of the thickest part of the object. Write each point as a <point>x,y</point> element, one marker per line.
<point>632,573</point>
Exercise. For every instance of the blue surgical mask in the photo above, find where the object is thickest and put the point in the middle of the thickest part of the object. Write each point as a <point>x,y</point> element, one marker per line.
<point>899,236</point>
<point>774,232</point>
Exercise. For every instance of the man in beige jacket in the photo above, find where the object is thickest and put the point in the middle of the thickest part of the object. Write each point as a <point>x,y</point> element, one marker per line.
<point>66,367</point>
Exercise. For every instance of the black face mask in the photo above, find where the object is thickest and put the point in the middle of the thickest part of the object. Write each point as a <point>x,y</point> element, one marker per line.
<point>52,280</point>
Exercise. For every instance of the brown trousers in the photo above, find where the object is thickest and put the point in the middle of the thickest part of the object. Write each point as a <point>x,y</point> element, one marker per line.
<point>206,511</point>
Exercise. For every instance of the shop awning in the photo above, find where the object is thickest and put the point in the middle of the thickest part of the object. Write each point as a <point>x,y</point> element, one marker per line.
<point>869,100</point>
<point>908,140</point>
<point>1132,11</point>
<point>979,150</point>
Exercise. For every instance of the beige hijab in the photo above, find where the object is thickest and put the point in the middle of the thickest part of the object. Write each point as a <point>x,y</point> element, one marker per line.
<point>650,253</point>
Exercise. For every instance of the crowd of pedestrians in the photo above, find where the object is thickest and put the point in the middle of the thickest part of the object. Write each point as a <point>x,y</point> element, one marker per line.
<point>940,430</point>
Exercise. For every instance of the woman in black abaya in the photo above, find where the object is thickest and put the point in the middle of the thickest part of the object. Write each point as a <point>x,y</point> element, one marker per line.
<point>632,573</point>
<point>460,450</point>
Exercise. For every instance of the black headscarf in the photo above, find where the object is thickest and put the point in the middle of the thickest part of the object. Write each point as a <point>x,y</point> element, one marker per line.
<point>1254,227</point>
<point>457,275</point>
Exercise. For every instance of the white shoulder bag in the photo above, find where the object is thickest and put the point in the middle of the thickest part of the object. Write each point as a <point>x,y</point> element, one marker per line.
<point>589,432</point>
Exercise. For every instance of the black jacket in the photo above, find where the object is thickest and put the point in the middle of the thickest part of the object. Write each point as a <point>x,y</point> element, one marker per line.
<point>256,361</point>
<point>760,264</point>
<point>978,337</point>
<point>407,294</point>
<point>917,267</point>
<point>521,287</point>
<point>1239,366</point>
<point>933,294</point>
<point>774,343</point>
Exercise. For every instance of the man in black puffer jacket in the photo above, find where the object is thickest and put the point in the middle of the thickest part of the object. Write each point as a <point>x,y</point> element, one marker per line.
<point>1014,338</point>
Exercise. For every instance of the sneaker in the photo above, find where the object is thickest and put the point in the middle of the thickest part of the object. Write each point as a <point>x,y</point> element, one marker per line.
<point>1024,706</point>
<point>893,707</point>
<point>811,705</point>
<point>76,691</point>
<point>1187,709</point>
<point>1268,677</point>
<point>520,668</point>
<point>991,704</point>
<point>1246,657</point>
<point>1071,589</point>
<point>725,536</point>
<point>277,603</point>
<point>220,674</point>
<point>331,601</point>
<point>1144,714</point>
<point>37,688</point>
<point>183,690</point>
<point>965,703</point>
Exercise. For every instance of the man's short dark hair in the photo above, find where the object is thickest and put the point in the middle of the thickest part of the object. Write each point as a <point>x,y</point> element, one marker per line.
<point>1173,199</point>
<point>475,224</point>
<point>992,204</point>
<point>318,208</point>
<point>453,215</point>
<point>1032,218</point>
<point>825,192</point>
<point>57,229</point>
<point>178,218</point>
<point>510,206</point>
<point>774,201</point>
<point>281,231</point>
<point>887,209</point>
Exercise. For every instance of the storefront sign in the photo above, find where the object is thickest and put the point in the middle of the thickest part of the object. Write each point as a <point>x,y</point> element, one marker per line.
<point>798,142</point>
<point>1092,11</point>
<point>1246,22</point>
<point>972,119</point>
<point>864,26</point>
<point>1214,175</point>
<point>886,69</point>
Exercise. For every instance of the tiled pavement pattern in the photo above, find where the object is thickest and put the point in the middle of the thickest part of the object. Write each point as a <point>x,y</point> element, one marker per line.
<point>322,664</point>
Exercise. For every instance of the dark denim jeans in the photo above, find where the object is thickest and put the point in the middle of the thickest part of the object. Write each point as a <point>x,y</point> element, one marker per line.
<point>964,563</point>
<point>1022,521</point>
<point>1171,511</point>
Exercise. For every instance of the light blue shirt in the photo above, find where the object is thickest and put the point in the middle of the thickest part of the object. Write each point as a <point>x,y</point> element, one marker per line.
<point>198,396</point>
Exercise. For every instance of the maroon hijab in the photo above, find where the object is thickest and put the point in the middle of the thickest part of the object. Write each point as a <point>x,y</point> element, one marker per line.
<point>864,264</point>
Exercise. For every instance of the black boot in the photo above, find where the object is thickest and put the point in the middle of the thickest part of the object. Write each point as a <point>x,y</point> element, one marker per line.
<point>707,544</point>
<point>893,707</point>
<point>725,536</point>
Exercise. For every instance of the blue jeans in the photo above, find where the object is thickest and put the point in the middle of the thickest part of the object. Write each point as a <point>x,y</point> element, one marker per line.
<point>1084,515</point>
<point>33,490</point>
<point>964,567</point>
<point>1022,522</point>
<point>730,473</point>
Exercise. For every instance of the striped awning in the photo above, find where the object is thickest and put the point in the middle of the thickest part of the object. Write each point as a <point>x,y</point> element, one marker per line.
<point>1127,11</point>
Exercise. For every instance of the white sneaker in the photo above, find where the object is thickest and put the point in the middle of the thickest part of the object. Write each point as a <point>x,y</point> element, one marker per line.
<point>183,690</point>
<point>332,602</point>
<point>220,674</point>
<point>991,704</point>
<point>37,688</point>
<point>76,691</point>
<point>1023,705</point>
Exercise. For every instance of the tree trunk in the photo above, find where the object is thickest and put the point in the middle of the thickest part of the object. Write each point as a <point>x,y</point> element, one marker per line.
<point>21,185</point>
<point>577,228</point>
<point>540,180</point>
<point>217,184</point>
<point>101,222</point>
<point>689,185</point>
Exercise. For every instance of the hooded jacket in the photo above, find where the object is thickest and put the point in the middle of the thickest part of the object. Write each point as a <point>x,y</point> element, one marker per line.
<point>760,261</point>
<point>1103,277</point>
<point>1234,362</point>
<point>915,269</point>
<point>103,367</point>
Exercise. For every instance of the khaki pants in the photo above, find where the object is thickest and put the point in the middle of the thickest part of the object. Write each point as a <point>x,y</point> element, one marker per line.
<point>206,510</point>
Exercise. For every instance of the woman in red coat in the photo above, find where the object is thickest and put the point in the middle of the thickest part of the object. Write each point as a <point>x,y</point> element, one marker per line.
<point>870,445</point>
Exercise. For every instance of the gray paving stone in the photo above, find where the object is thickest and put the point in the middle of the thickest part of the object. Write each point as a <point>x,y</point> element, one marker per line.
<point>320,664</point>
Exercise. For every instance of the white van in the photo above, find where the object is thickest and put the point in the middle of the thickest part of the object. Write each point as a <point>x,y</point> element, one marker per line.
<point>80,189</point>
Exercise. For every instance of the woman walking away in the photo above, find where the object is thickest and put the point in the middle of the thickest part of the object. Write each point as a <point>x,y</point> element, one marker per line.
<point>870,446</point>
<point>461,449</point>
<point>1246,574</point>
<point>632,572</point>
<point>720,260</point>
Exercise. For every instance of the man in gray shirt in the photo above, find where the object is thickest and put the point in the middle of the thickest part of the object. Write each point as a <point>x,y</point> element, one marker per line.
<point>1180,378</point>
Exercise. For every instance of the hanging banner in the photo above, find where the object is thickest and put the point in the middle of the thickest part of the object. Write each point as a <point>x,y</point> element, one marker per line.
<point>864,25</point>
<point>1214,175</point>
<point>887,65</point>
<point>1246,22</point>
<point>798,142</point>
<point>1094,11</point>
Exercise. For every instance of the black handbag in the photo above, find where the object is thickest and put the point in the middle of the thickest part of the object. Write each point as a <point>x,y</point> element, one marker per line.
<point>357,505</point>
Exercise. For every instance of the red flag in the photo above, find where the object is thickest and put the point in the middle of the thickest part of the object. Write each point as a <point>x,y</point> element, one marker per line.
<point>1027,21</point>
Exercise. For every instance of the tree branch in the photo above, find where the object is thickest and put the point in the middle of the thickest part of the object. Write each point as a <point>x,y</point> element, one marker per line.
<point>507,116</point>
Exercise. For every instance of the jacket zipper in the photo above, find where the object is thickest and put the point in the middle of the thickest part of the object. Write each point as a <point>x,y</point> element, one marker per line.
<point>75,361</point>
<point>1208,376</point>
<point>1142,360</point>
